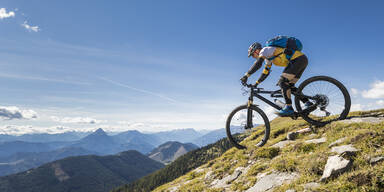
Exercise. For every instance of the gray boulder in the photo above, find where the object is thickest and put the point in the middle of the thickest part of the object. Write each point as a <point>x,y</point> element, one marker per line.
<point>364,119</point>
<point>282,144</point>
<point>224,182</point>
<point>275,179</point>
<point>335,165</point>
<point>344,149</point>
<point>317,141</point>
<point>376,160</point>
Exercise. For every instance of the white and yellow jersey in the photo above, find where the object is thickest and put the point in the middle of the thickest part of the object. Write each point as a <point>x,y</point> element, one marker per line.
<point>280,60</point>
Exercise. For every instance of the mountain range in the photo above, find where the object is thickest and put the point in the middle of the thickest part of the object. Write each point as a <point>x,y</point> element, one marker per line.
<point>82,173</point>
<point>16,156</point>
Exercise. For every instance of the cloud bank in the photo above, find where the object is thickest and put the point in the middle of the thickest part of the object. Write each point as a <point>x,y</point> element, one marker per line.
<point>12,112</point>
<point>79,120</point>
<point>4,14</point>
<point>376,91</point>
<point>30,129</point>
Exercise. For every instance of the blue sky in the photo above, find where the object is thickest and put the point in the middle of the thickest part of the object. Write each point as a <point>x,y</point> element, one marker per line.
<point>160,65</point>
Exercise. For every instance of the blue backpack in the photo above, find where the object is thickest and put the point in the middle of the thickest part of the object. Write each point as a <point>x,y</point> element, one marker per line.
<point>291,44</point>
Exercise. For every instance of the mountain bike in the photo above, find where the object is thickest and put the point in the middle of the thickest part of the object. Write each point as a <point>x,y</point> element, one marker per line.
<point>330,102</point>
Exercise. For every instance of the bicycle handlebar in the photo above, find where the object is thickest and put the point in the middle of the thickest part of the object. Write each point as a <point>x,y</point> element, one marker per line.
<point>252,86</point>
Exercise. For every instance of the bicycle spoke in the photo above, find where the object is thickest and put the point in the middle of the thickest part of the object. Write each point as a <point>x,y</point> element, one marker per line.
<point>327,96</point>
<point>238,128</point>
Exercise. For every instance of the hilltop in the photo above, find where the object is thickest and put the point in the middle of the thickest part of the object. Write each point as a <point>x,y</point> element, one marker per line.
<point>306,163</point>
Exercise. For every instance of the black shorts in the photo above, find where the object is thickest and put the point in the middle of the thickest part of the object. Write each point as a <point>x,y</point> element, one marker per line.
<point>297,66</point>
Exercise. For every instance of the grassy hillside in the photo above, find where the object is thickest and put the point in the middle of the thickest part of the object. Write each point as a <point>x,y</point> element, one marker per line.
<point>303,161</point>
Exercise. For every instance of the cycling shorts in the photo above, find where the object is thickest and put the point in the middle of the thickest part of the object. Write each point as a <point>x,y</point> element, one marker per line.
<point>297,66</point>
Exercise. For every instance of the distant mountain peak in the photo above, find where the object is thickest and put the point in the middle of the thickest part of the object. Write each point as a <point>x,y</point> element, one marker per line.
<point>170,151</point>
<point>99,131</point>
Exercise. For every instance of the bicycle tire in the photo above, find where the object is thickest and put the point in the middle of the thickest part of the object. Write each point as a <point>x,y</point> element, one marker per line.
<point>235,138</point>
<point>321,121</point>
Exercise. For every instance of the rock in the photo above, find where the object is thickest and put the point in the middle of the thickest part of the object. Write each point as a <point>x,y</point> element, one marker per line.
<point>376,160</point>
<point>337,142</point>
<point>282,144</point>
<point>209,175</point>
<point>292,135</point>
<point>364,119</point>
<point>335,165</point>
<point>238,171</point>
<point>343,149</point>
<point>317,141</point>
<point>305,130</point>
<point>312,185</point>
<point>199,170</point>
<point>224,182</point>
<point>173,189</point>
<point>275,179</point>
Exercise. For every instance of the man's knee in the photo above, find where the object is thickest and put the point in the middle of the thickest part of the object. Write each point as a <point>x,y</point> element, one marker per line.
<point>284,83</point>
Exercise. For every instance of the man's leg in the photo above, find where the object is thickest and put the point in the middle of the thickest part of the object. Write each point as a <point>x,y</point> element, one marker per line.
<point>290,76</point>
<point>286,82</point>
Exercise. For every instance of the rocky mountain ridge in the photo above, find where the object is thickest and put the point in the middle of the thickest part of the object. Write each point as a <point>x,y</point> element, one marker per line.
<point>341,156</point>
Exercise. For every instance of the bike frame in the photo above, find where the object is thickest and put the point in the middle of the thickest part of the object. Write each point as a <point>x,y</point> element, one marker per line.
<point>255,92</point>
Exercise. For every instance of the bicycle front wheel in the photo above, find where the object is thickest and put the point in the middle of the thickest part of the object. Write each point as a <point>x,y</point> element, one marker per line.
<point>238,129</point>
<point>331,98</point>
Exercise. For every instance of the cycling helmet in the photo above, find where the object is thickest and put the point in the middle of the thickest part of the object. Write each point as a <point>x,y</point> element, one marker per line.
<point>253,48</point>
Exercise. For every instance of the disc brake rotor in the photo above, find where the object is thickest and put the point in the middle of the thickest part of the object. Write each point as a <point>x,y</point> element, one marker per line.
<point>322,101</point>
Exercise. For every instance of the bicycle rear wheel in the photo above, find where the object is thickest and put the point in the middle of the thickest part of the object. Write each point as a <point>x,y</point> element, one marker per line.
<point>331,98</point>
<point>236,125</point>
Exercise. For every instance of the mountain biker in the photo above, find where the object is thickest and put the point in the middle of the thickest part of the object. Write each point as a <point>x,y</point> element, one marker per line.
<point>294,68</point>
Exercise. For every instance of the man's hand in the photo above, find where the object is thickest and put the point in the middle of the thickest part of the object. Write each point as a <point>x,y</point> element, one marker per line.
<point>244,80</point>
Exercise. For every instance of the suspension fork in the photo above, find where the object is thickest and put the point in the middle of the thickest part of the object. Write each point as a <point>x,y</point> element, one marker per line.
<point>249,111</point>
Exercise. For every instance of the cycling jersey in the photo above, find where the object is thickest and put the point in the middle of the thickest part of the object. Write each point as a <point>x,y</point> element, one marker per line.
<point>295,66</point>
<point>281,59</point>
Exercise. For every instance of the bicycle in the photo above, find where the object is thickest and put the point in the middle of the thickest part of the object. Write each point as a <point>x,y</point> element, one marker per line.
<point>331,102</point>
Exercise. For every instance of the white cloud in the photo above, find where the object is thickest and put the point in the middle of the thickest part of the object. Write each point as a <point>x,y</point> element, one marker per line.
<point>29,27</point>
<point>13,112</point>
<point>376,91</point>
<point>30,129</point>
<point>4,14</point>
<point>355,92</point>
<point>79,120</point>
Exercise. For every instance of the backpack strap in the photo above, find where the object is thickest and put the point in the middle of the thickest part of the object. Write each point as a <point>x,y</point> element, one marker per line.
<point>288,53</point>
<point>273,57</point>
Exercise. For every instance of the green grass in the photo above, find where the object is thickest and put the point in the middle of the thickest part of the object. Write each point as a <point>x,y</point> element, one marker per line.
<point>306,159</point>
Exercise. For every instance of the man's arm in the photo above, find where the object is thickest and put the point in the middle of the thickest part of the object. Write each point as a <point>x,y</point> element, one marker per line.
<point>265,73</point>
<point>256,66</point>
